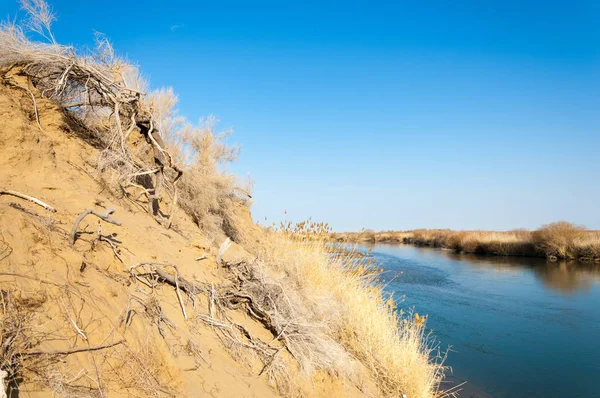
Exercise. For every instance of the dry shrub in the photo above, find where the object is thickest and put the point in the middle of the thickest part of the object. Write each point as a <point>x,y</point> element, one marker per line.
<point>211,202</point>
<point>89,82</point>
<point>207,193</point>
<point>560,239</point>
<point>337,296</point>
<point>589,246</point>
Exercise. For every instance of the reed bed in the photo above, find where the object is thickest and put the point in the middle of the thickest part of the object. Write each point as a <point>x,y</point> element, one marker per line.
<point>558,240</point>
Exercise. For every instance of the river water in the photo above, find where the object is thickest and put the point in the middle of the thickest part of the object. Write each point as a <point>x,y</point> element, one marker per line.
<point>516,327</point>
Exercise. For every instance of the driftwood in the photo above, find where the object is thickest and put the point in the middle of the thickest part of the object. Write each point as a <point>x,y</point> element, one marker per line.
<point>75,349</point>
<point>29,198</point>
<point>105,217</point>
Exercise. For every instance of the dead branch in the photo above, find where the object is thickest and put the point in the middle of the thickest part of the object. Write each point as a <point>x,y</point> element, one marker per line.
<point>105,217</point>
<point>74,350</point>
<point>162,158</point>
<point>179,297</point>
<point>185,285</point>
<point>29,198</point>
<point>47,221</point>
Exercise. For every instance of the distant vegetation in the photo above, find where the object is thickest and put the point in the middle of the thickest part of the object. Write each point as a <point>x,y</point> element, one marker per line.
<point>559,240</point>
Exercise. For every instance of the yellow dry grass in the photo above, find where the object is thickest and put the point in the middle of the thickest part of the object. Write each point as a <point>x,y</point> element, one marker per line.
<point>342,288</point>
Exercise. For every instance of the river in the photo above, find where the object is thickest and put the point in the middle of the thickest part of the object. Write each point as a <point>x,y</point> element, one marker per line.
<point>516,327</point>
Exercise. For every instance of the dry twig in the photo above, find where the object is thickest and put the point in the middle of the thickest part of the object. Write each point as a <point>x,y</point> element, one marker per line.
<point>74,350</point>
<point>29,198</point>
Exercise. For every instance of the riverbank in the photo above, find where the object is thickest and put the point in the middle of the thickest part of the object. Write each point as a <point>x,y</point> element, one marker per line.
<point>511,323</point>
<point>171,289</point>
<point>560,240</point>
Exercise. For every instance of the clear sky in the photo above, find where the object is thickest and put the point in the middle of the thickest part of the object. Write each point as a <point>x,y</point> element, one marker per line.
<point>457,114</point>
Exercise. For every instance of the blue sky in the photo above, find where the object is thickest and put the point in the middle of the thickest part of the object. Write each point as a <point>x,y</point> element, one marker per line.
<point>399,115</point>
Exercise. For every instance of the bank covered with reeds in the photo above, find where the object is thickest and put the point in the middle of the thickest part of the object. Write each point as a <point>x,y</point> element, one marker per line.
<point>559,240</point>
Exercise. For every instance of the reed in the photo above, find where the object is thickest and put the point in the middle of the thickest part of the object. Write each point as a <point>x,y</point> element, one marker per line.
<point>559,240</point>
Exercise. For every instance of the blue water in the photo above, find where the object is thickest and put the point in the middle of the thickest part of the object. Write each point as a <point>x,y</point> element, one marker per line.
<point>516,327</point>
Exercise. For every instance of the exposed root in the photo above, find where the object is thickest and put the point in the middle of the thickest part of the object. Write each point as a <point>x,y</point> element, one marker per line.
<point>231,299</point>
<point>35,109</point>
<point>100,90</point>
<point>75,350</point>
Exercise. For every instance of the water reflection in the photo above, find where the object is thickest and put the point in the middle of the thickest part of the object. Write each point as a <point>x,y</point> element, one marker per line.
<point>566,277</point>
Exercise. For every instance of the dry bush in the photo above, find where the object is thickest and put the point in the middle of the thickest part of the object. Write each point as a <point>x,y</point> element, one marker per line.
<point>207,193</point>
<point>560,239</point>
<point>294,318</point>
<point>336,294</point>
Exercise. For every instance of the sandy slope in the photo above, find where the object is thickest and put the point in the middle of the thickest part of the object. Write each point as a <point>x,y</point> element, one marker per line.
<point>87,285</point>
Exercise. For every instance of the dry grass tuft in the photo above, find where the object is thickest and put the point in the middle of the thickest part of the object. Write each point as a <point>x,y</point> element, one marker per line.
<point>336,294</point>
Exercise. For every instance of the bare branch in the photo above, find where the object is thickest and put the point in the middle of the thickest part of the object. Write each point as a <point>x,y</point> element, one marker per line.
<point>105,217</point>
<point>29,198</point>
<point>40,17</point>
